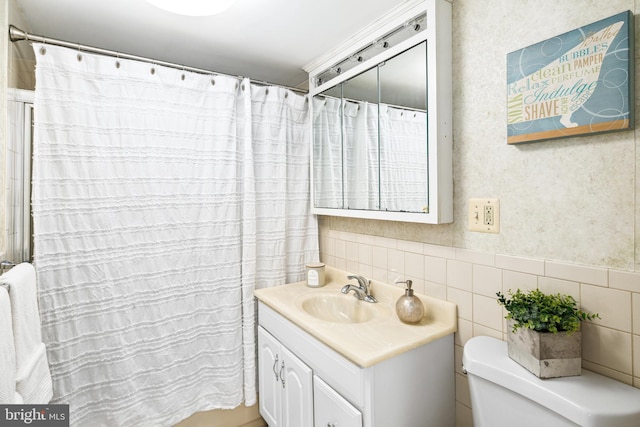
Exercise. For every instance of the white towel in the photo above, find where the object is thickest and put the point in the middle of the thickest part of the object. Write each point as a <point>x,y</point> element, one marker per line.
<point>33,379</point>
<point>7,351</point>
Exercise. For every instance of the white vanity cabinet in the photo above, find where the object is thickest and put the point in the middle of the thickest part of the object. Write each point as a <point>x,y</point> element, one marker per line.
<point>285,385</point>
<point>413,388</point>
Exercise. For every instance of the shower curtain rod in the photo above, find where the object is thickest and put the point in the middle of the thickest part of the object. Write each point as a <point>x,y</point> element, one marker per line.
<point>16,35</point>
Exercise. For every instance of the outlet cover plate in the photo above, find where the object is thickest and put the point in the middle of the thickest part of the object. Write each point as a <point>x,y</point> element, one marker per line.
<point>484,215</point>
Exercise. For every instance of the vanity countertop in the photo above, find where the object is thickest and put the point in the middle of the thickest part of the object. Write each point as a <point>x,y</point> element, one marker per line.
<point>369,342</point>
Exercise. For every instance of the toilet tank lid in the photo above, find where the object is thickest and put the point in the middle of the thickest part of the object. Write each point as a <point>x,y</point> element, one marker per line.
<point>589,400</point>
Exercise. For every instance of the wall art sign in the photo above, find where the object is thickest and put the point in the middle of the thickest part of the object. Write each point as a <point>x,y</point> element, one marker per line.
<point>577,83</point>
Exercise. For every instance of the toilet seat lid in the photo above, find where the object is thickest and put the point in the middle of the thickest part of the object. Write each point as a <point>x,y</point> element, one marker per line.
<point>589,400</point>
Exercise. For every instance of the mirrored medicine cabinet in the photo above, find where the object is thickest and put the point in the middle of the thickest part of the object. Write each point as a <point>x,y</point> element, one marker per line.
<point>381,122</point>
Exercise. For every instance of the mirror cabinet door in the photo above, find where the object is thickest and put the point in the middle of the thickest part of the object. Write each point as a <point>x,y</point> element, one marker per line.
<point>370,138</point>
<point>403,132</point>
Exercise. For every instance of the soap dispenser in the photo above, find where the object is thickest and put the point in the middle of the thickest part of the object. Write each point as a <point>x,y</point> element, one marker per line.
<point>409,307</point>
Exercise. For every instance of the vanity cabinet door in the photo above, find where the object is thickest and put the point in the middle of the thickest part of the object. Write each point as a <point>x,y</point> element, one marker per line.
<point>269,359</point>
<point>331,409</point>
<point>285,385</point>
<point>297,396</point>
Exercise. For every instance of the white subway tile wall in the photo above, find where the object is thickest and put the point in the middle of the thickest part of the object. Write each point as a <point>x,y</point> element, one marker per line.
<point>470,279</point>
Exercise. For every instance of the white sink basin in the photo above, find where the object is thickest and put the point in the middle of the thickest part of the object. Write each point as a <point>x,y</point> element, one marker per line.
<point>343,308</point>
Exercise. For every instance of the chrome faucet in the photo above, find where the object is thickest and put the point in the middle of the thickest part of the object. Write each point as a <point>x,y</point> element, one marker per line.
<point>362,291</point>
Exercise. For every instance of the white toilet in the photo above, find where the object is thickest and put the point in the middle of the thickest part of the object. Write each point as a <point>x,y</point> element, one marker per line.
<point>504,394</point>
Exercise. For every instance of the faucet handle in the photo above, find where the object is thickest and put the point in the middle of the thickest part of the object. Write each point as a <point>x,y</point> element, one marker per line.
<point>362,281</point>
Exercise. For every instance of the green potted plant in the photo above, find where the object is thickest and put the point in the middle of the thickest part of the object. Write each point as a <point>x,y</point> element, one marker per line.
<point>544,332</point>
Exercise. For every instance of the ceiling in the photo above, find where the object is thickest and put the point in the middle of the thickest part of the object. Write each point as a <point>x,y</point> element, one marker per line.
<point>268,40</point>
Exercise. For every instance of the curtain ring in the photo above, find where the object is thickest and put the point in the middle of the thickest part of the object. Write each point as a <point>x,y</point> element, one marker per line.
<point>213,82</point>
<point>43,49</point>
<point>79,56</point>
<point>117,59</point>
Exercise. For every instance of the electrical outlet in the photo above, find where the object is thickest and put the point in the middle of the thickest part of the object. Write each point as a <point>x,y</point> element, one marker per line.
<point>488,215</point>
<point>484,215</point>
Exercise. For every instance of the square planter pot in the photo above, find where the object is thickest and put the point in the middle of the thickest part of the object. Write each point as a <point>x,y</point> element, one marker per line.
<point>545,354</point>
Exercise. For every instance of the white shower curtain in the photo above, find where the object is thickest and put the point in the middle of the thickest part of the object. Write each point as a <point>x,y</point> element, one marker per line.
<point>361,172</point>
<point>404,160</point>
<point>327,152</point>
<point>161,199</point>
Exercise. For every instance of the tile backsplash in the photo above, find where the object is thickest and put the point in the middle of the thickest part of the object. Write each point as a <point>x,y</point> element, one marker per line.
<point>470,278</point>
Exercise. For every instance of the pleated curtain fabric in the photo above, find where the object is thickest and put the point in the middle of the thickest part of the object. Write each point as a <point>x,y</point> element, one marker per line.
<point>327,152</point>
<point>286,233</point>
<point>404,161</point>
<point>159,205</point>
<point>361,171</point>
